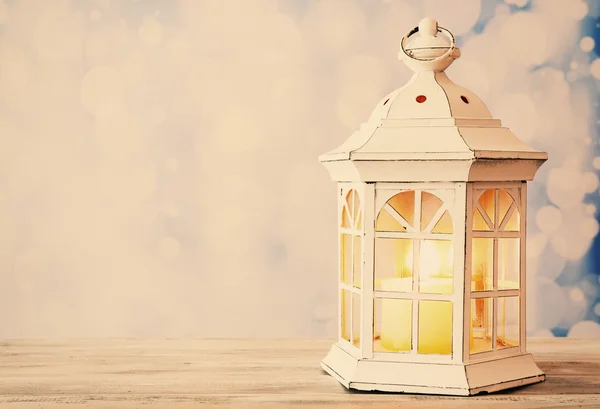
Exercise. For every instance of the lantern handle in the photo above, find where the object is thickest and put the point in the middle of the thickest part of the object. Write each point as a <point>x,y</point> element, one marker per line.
<point>442,30</point>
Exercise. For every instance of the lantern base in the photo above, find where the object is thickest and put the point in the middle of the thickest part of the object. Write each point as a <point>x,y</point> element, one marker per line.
<point>431,378</point>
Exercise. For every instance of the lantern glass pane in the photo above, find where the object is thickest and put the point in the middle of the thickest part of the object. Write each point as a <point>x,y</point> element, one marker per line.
<point>430,204</point>
<point>507,333</point>
<point>351,212</point>
<point>356,205</point>
<point>478,223</point>
<point>509,252</point>
<point>505,200</point>
<point>404,204</point>
<point>387,222</point>
<point>350,201</point>
<point>481,325</point>
<point>356,266</point>
<point>435,327</point>
<point>436,267</point>
<point>345,299</point>
<point>356,309</point>
<point>486,200</point>
<point>346,258</point>
<point>482,264</point>
<point>393,264</point>
<point>346,219</point>
<point>444,225</point>
<point>514,221</point>
<point>392,329</point>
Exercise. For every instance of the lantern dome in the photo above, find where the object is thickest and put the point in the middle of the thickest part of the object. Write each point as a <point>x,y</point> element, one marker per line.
<point>430,94</point>
<point>431,118</point>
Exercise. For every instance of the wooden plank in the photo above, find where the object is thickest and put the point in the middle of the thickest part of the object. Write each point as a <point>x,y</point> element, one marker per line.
<point>188,373</point>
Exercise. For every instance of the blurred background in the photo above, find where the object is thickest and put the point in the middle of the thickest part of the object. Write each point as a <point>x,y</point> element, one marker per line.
<point>158,164</point>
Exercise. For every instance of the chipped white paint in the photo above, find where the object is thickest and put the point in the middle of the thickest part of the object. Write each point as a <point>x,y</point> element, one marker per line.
<point>432,137</point>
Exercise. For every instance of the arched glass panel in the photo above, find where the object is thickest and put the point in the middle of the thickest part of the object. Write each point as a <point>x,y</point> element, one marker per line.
<point>352,211</point>
<point>411,255</point>
<point>351,259</point>
<point>496,269</point>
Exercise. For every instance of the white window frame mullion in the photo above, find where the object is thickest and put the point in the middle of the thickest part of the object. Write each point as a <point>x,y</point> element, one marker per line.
<point>352,260</point>
<point>417,216</point>
<point>522,197</point>
<point>413,296</point>
<point>416,274</point>
<point>398,217</point>
<point>495,271</point>
<point>351,205</point>
<point>466,305</point>
<point>513,207</point>
<point>368,270</point>
<point>457,209</point>
<point>355,290</point>
<point>342,198</point>
<point>494,293</point>
<point>436,218</point>
<point>494,322</point>
<point>345,188</point>
<point>350,288</point>
<point>495,266</point>
<point>496,211</point>
<point>414,235</point>
<point>496,234</point>
<point>485,216</point>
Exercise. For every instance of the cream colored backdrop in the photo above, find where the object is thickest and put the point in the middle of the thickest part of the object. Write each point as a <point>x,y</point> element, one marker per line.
<point>158,164</point>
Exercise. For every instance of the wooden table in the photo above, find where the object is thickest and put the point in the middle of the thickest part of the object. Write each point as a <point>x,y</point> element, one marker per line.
<point>175,373</point>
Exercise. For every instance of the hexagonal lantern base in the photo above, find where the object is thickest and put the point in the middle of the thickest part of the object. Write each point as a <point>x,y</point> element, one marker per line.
<point>429,378</point>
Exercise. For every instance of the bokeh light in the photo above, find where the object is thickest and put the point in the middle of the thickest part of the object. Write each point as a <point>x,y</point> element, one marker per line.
<point>585,329</point>
<point>587,44</point>
<point>159,169</point>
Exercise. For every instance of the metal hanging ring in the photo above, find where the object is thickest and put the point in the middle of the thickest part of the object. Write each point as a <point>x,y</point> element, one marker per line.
<point>442,30</point>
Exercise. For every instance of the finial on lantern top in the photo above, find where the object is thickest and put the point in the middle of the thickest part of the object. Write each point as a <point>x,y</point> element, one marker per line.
<point>428,27</point>
<point>423,49</point>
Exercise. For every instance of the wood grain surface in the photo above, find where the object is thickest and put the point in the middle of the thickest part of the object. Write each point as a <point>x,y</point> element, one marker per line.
<point>191,373</point>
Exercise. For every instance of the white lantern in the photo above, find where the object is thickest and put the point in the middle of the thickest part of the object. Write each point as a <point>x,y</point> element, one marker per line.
<point>432,208</point>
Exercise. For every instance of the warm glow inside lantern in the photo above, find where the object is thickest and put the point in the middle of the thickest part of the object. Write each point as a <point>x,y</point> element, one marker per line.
<point>432,202</point>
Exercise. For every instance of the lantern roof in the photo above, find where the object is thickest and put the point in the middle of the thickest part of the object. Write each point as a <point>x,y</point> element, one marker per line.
<point>432,119</point>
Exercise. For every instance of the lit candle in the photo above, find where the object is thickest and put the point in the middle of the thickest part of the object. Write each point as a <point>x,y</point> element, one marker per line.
<point>396,316</point>
<point>435,317</point>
